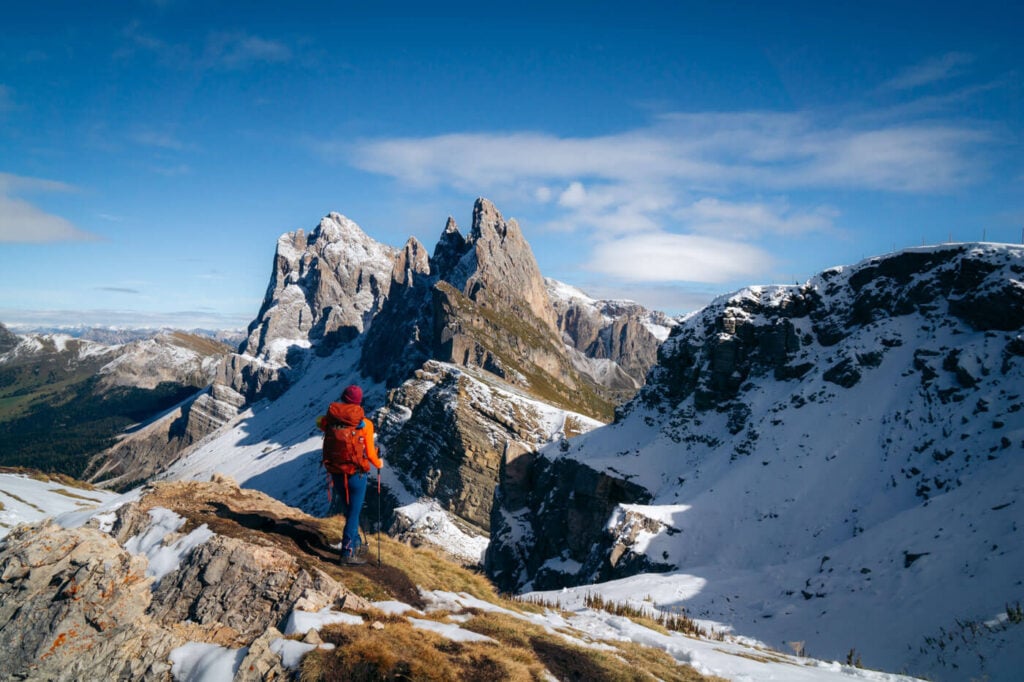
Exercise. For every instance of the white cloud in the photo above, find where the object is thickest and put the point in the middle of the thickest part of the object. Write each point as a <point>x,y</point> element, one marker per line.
<point>930,71</point>
<point>667,257</point>
<point>691,196</point>
<point>713,216</point>
<point>574,196</point>
<point>690,152</point>
<point>23,222</point>
<point>20,221</point>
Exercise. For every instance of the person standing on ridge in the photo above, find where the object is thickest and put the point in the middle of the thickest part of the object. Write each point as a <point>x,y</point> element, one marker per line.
<point>348,452</point>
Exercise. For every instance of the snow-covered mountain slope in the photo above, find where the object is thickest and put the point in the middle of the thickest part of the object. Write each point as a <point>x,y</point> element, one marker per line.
<point>274,446</point>
<point>27,498</point>
<point>837,463</point>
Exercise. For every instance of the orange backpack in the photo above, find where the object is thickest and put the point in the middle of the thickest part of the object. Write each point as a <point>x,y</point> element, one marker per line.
<point>345,450</point>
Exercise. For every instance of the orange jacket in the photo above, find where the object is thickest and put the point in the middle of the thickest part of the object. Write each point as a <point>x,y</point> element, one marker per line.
<point>347,414</point>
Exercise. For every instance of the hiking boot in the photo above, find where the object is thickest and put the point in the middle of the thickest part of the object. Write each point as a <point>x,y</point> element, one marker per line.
<point>352,561</point>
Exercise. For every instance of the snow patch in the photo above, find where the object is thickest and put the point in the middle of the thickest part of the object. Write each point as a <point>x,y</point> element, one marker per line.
<point>164,559</point>
<point>202,662</point>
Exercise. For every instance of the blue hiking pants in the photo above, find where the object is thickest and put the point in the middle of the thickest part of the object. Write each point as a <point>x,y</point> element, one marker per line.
<point>350,505</point>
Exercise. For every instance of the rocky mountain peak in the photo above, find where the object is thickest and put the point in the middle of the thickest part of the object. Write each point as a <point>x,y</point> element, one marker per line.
<point>500,269</point>
<point>450,248</point>
<point>411,261</point>
<point>324,288</point>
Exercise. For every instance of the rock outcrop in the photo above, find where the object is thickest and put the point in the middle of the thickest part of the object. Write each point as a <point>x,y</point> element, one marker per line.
<point>450,431</point>
<point>186,563</point>
<point>480,301</point>
<point>614,342</point>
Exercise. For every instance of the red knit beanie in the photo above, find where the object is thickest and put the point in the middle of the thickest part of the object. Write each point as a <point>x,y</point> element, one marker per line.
<point>353,394</point>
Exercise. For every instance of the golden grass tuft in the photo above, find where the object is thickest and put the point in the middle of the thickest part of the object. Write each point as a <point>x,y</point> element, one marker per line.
<point>424,567</point>
<point>401,652</point>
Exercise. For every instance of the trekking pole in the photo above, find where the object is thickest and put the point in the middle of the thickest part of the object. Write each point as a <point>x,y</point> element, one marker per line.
<point>379,519</point>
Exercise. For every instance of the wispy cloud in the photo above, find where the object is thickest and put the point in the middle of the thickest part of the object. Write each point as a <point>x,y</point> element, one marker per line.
<point>749,220</point>
<point>158,139</point>
<point>670,257</point>
<point>676,195</point>
<point>21,221</point>
<point>128,319</point>
<point>6,98</point>
<point>226,50</point>
<point>119,290</point>
<point>698,152</point>
<point>238,50</point>
<point>930,71</point>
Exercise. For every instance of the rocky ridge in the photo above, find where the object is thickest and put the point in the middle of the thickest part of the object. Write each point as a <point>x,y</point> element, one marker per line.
<point>614,342</point>
<point>478,301</point>
<point>116,595</point>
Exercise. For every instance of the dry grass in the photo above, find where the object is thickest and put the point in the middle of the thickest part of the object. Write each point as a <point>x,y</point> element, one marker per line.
<point>424,567</point>
<point>68,493</point>
<point>401,652</point>
<point>660,664</point>
<point>44,477</point>
<point>522,652</point>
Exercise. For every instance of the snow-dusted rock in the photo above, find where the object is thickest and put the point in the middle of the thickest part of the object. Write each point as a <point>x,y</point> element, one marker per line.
<point>449,432</point>
<point>325,288</point>
<point>614,342</point>
<point>79,603</point>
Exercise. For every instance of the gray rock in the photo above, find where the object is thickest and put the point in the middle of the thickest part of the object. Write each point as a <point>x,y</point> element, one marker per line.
<point>76,605</point>
<point>324,289</point>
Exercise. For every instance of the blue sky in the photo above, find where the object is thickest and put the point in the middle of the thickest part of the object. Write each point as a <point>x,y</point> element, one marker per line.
<point>151,152</point>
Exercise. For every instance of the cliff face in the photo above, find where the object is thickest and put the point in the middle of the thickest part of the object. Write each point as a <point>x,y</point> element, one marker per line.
<point>449,431</point>
<point>614,342</point>
<point>479,301</point>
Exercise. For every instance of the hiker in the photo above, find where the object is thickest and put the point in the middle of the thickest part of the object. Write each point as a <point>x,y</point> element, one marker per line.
<point>348,452</point>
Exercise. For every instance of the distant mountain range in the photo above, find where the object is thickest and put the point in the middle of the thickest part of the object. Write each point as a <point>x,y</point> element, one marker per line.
<point>112,336</point>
